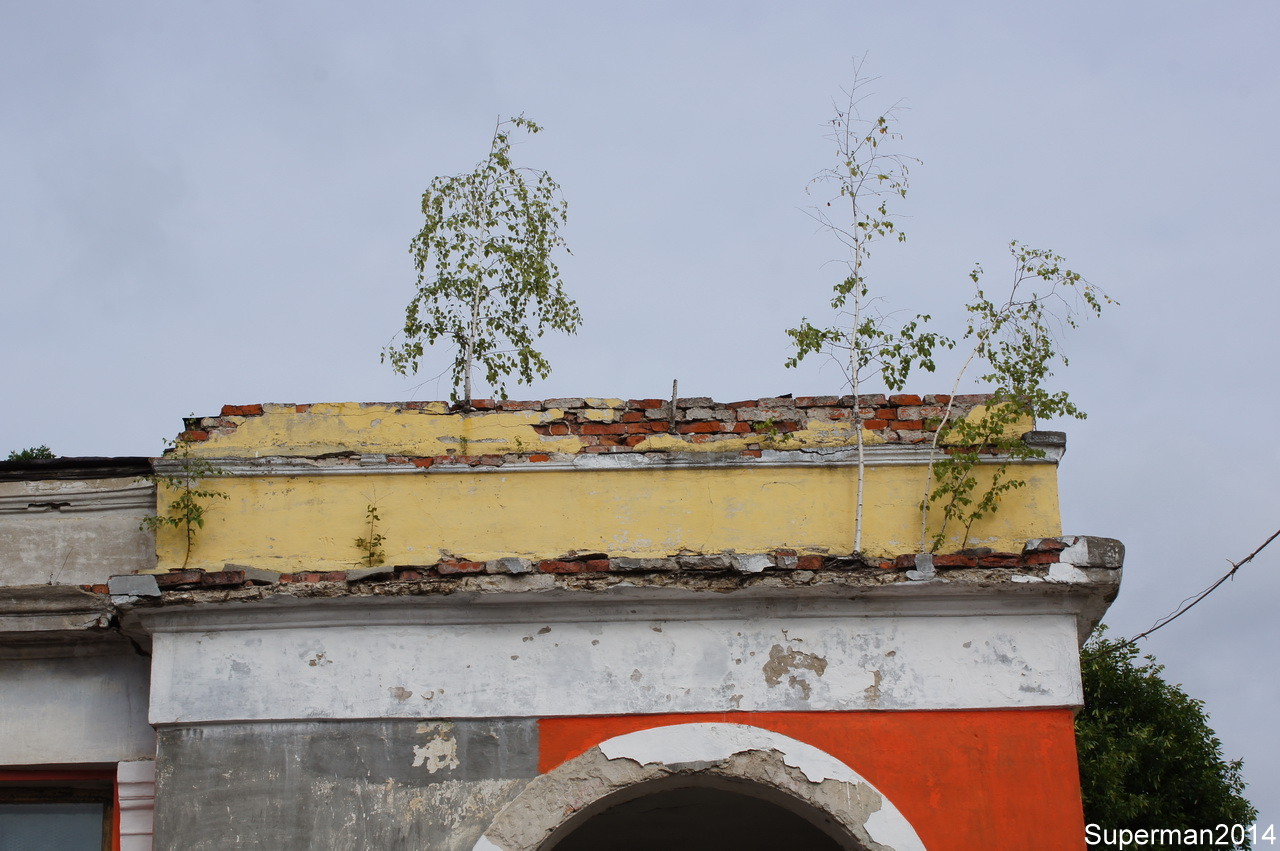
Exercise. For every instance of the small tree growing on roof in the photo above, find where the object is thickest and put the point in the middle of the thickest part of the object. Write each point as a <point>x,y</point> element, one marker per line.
<point>487,282</point>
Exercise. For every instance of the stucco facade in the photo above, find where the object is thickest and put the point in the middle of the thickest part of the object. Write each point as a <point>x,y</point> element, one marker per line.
<point>591,623</point>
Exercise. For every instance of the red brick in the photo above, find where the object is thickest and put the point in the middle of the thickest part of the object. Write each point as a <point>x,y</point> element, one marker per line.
<point>595,450</point>
<point>886,413</point>
<point>301,409</point>
<point>558,428</point>
<point>645,404</point>
<point>909,425</point>
<point>539,457</point>
<point>1048,545</point>
<point>741,428</point>
<point>954,560</point>
<point>809,563</point>
<point>423,462</point>
<point>241,410</point>
<point>223,577</point>
<point>875,425</point>
<point>904,561</point>
<point>610,440</point>
<point>1040,558</point>
<point>594,565</point>
<point>749,403</point>
<point>904,399</point>
<point>604,428</point>
<point>193,436</point>
<point>483,404</point>
<point>449,568</point>
<point>939,399</point>
<point>816,401</point>
<point>751,453</point>
<point>633,417</point>
<point>709,427</point>
<point>174,578</point>
<point>998,560</point>
<point>636,439</point>
<point>510,405</point>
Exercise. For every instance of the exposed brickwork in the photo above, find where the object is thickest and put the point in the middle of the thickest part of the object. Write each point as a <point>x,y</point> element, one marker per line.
<point>1033,559</point>
<point>603,426</point>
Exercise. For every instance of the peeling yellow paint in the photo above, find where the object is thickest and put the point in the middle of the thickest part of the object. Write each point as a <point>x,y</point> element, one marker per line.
<point>305,523</point>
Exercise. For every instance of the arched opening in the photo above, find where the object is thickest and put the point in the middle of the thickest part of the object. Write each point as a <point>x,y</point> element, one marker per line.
<point>701,786</point>
<point>694,818</point>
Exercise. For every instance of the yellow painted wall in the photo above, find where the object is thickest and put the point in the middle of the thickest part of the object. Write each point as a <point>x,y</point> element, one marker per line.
<point>295,523</point>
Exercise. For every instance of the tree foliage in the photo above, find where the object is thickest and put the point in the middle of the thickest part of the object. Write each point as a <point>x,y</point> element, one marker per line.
<point>33,453</point>
<point>868,177</point>
<point>1015,339</point>
<point>1148,758</point>
<point>487,281</point>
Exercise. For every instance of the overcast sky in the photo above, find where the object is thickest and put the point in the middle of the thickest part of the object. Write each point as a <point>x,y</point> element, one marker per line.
<point>209,203</point>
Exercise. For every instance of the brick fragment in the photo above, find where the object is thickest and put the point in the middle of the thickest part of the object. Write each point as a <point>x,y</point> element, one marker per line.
<point>1045,545</point>
<point>904,399</point>
<point>998,560</point>
<point>1040,558</point>
<point>451,568</point>
<point>223,578</point>
<point>423,462</point>
<point>604,428</point>
<point>809,562</point>
<point>592,565</point>
<point>954,560</point>
<point>539,457</point>
<point>178,578</point>
<point>710,427</point>
<point>193,435</point>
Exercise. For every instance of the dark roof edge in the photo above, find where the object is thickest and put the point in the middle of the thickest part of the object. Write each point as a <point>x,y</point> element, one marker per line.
<point>92,467</point>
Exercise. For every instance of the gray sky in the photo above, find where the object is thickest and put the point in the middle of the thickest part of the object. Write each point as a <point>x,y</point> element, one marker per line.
<point>208,203</point>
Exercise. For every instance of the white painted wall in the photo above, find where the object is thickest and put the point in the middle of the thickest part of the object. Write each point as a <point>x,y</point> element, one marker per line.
<point>368,661</point>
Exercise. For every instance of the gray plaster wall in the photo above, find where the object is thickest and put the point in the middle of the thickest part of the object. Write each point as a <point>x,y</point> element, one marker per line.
<point>384,784</point>
<point>74,532</point>
<point>75,710</point>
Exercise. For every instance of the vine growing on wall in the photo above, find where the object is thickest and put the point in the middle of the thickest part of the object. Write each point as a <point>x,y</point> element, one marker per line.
<point>191,493</point>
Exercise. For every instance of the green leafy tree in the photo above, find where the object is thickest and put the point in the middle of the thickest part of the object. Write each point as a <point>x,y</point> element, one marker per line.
<point>487,283</point>
<point>34,453</point>
<point>1148,758</point>
<point>1015,339</point>
<point>867,178</point>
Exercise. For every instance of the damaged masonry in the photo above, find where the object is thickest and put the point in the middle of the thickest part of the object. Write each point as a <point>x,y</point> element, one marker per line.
<point>564,624</point>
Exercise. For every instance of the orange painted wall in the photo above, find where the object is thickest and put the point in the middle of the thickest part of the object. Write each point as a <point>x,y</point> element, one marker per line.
<point>966,780</point>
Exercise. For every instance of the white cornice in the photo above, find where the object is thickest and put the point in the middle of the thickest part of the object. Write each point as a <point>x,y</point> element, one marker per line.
<point>139,495</point>
<point>880,455</point>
